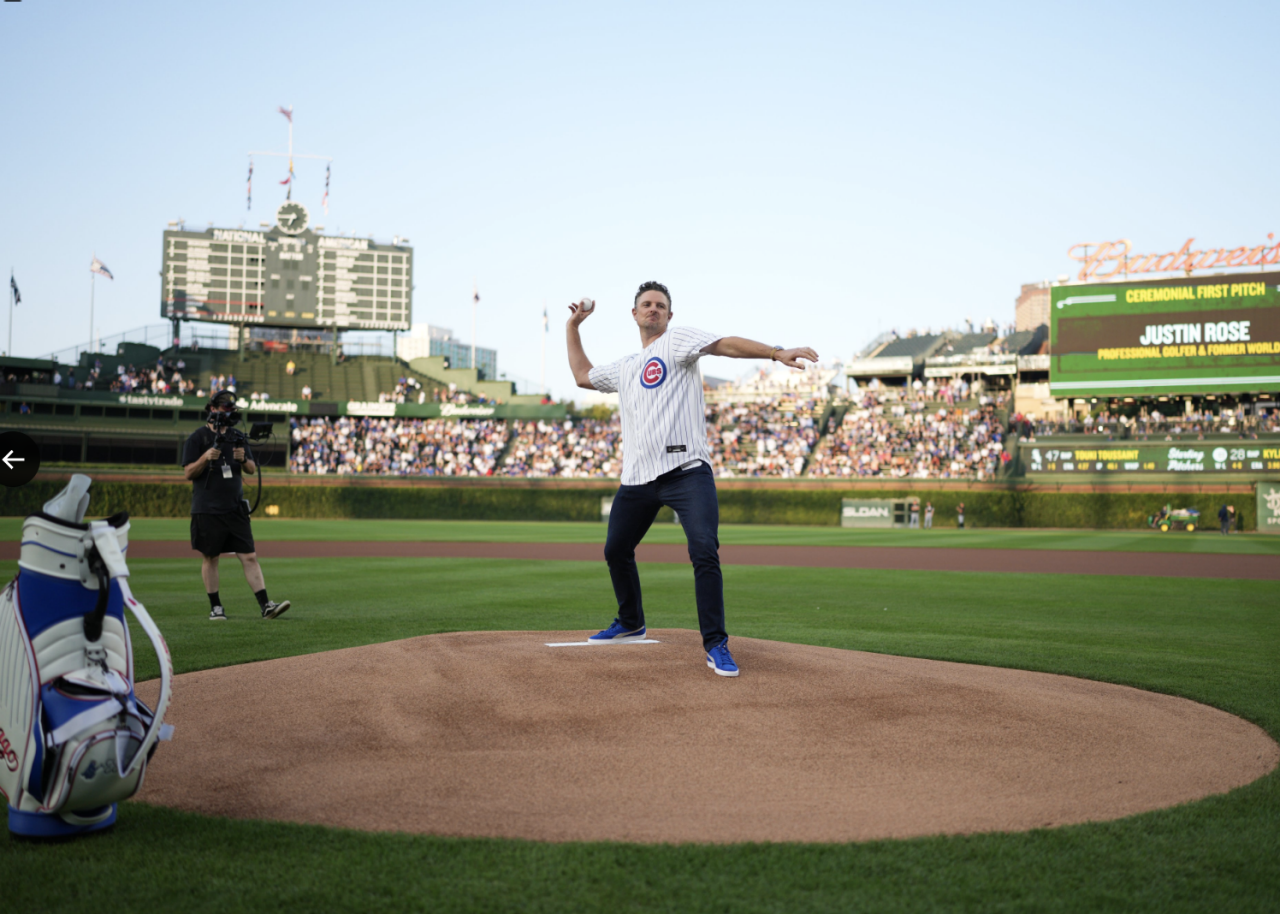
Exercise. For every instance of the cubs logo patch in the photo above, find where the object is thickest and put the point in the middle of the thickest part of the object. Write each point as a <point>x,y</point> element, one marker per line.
<point>653,373</point>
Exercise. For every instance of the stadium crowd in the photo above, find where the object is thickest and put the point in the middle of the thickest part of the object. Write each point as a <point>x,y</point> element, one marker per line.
<point>765,438</point>
<point>403,447</point>
<point>572,449</point>
<point>882,437</point>
<point>1148,424</point>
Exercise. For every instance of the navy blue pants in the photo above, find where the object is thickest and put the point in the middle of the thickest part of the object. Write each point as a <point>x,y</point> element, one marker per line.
<point>692,495</point>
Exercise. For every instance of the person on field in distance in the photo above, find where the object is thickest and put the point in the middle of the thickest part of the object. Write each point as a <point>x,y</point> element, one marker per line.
<point>665,459</point>
<point>219,515</point>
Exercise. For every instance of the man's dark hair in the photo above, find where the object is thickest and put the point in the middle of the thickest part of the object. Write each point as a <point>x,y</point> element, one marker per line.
<point>652,286</point>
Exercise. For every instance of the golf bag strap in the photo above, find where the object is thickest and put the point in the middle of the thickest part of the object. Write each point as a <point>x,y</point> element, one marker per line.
<point>166,674</point>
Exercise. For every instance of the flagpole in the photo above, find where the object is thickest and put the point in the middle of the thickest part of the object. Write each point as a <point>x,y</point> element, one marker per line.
<point>543,380</point>
<point>289,195</point>
<point>92,277</point>
<point>9,351</point>
<point>475,301</point>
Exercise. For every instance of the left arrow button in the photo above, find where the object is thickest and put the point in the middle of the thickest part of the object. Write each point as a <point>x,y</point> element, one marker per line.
<point>21,459</point>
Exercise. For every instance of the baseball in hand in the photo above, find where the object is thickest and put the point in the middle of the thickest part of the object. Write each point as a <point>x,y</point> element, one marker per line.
<point>586,305</point>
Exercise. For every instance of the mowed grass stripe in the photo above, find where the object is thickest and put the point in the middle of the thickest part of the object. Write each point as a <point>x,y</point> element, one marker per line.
<point>269,529</point>
<point>1213,641</point>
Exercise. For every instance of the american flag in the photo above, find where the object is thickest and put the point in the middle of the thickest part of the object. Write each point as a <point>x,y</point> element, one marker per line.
<point>13,284</point>
<point>324,201</point>
<point>249,190</point>
<point>100,268</point>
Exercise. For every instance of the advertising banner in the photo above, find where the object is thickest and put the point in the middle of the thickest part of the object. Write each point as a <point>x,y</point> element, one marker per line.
<point>866,512</point>
<point>1203,334</point>
<point>1269,507</point>
<point>1248,458</point>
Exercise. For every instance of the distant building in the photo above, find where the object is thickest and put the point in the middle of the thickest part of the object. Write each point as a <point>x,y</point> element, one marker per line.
<point>1032,308</point>
<point>423,340</point>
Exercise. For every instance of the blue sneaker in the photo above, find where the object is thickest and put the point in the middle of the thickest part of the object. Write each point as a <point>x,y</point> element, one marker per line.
<point>720,660</point>
<point>617,634</point>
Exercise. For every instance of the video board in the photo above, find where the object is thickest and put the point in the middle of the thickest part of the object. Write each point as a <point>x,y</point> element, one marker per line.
<point>286,276</point>
<point>1204,334</point>
<point>1189,458</point>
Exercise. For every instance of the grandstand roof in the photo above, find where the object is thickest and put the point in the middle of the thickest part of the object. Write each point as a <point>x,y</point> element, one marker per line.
<point>915,347</point>
<point>1026,342</point>
<point>967,343</point>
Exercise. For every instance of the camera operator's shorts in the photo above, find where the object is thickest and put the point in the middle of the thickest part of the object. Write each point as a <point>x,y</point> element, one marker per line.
<point>214,534</point>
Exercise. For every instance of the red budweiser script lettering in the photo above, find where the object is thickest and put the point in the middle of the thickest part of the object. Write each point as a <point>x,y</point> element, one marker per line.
<point>1112,259</point>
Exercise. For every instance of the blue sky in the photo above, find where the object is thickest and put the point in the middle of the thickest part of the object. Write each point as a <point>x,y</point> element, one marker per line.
<point>802,174</point>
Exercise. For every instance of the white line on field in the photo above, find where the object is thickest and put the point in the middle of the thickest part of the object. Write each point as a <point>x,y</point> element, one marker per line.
<point>615,644</point>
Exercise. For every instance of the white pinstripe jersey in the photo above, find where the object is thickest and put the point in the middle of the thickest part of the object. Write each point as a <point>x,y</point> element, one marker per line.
<point>660,397</point>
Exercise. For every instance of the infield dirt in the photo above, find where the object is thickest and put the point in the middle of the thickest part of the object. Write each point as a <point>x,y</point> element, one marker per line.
<point>497,734</point>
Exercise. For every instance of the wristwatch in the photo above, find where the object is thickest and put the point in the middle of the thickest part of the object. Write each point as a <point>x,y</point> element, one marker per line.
<point>773,356</point>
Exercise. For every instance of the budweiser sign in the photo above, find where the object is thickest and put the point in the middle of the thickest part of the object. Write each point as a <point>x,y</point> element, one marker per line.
<point>1115,259</point>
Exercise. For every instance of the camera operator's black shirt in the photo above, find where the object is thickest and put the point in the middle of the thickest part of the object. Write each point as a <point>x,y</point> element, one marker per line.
<point>211,493</point>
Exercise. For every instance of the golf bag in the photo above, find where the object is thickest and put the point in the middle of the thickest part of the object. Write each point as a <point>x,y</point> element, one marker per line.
<point>74,739</point>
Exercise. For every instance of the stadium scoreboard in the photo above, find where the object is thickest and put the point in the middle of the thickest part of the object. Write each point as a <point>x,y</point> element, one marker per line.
<point>1203,334</point>
<point>286,276</point>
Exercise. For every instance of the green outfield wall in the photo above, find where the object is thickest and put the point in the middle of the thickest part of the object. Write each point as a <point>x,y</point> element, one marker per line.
<point>1010,507</point>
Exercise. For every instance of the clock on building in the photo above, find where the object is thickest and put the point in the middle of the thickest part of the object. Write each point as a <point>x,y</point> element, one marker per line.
<point>291,217</point>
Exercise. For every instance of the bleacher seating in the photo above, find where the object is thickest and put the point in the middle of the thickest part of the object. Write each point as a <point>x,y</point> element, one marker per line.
<point>360,378</point>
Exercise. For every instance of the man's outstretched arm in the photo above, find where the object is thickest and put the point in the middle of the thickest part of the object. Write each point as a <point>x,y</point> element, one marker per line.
<point>578,361</point>
<point>735,347</point>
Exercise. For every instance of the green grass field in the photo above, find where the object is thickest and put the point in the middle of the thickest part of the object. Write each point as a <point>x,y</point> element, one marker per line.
<point>1215,641</point>
<point>267,529</point>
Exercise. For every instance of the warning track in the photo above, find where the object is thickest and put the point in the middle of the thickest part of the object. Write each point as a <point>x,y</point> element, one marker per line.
<point>888,558</point>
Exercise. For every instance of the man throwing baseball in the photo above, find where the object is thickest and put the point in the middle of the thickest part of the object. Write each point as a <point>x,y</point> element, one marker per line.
<point>665,458</point>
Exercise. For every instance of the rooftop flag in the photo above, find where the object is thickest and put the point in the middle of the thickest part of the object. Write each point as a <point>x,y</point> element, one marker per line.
<point>13,284</point>
<point>287,112</point>
<point>100,268</point>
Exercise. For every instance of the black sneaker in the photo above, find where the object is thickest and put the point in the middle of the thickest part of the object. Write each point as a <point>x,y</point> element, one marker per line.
<point>274,610</point>
<point>216,614</point>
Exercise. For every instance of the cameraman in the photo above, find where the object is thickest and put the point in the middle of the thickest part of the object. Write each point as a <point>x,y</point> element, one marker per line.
<point>213,459</point>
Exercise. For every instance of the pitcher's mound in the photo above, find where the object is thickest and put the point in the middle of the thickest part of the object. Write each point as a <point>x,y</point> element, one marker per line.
<point>496,734</point>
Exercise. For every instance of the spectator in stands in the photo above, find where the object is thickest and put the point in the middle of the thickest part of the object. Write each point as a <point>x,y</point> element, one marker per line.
<point>306,391</point>
<point>880,437</point>
<point>431,447</point>
<point>290,368</point>
<point>570,448</point>
<point>767,437</point>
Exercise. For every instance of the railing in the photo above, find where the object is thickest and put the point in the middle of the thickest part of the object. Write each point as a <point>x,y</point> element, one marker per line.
<point>194,335</point>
